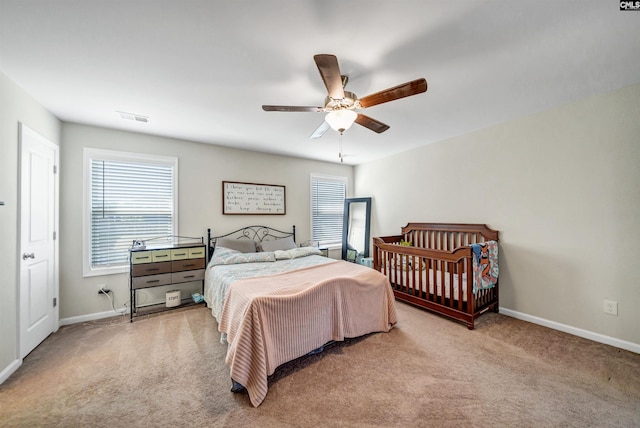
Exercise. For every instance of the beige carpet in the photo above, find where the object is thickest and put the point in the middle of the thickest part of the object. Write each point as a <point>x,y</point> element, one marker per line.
<point>168,370</point>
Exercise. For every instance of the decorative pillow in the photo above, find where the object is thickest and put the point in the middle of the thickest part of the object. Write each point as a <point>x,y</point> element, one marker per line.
<point>279,244</point>
<point>242,245</point>
<point>294,253</point>
<point>227,256</point>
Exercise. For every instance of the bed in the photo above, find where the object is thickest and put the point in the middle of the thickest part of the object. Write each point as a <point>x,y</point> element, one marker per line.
<point>275,302</point>
<point>449,269</point>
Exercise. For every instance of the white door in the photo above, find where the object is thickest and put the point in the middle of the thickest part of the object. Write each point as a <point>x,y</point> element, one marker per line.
<point>38,252</point>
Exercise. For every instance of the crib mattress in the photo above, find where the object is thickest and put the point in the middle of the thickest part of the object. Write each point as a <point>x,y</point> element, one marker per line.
<point>431,281</point>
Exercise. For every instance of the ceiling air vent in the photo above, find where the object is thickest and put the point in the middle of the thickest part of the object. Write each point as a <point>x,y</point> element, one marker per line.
<point>132,116</point>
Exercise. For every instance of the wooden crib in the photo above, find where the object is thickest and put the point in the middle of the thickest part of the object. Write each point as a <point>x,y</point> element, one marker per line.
<point>429,264</point>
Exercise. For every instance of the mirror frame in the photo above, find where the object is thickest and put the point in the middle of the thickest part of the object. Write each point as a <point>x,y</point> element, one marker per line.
<point>345,225</point>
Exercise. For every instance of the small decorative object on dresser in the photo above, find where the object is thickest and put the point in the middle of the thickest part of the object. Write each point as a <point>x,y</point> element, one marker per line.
<point>165,264</point>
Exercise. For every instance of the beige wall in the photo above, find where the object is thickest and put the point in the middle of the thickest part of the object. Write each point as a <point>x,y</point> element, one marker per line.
<point>15,106</point>
<point>202,168</point>
<point>563,188</point>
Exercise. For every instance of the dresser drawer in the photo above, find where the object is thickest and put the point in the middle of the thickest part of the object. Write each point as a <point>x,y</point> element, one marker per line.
<point>188,275</point>
<point>151,280</point>
<point>189,264</point>
<point>150,268</point>
<point>196,252</point>
<point>180,254</point>
<point>140,257</point>
<point>161,255</point>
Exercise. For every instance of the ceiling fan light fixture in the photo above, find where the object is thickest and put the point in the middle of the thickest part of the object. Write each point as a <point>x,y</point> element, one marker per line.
<point>341,120</point>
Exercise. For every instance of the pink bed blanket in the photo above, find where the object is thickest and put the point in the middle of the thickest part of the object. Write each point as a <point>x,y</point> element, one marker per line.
<point>273,319</point>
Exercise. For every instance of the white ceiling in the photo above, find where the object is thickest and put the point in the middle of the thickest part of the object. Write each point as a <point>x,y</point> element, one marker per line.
<point>201,70</point>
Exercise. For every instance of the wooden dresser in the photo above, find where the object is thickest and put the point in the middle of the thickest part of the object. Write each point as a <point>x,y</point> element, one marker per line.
<point>160,265</point>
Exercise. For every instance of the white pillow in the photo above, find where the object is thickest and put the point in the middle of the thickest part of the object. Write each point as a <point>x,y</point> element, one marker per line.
<point>295,253</point>
<point>227,256</point>
<point>279,244</point>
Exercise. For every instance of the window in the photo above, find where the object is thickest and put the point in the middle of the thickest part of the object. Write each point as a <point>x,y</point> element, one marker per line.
<point>327,205</point>
<point>128,196</point>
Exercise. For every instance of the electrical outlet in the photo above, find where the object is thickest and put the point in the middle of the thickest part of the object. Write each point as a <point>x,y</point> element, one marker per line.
<point>103,290</point>
<point>610,307</point>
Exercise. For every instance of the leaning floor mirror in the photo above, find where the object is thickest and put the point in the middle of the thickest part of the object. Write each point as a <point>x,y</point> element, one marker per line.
<point>355,229</point>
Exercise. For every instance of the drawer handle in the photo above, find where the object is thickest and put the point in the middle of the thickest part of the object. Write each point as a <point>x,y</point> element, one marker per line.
<point>142,257</point>
<point>161,255</point>
<point>151,281</point>
<point>189,265</point>
<point>152,269</point>
<point>189,276</point>
<point>180,254</point>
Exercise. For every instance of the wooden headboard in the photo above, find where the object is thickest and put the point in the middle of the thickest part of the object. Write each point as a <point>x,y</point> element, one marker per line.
<point>256,233</point>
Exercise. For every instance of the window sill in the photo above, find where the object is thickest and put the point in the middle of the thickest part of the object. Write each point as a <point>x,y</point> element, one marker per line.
<point>332,247</point>
<point>104,271</point>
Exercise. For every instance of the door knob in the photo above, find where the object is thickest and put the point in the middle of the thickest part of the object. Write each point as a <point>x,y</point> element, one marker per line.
<point>26,256</point>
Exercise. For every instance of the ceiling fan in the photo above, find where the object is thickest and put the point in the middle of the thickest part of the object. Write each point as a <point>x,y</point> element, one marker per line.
<point>341,105</point>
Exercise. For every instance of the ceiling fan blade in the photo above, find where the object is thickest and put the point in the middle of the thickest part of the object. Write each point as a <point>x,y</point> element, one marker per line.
<point>320,130</point>
<point>330,73</point>
<point>292,108</point>
<point>372,124</point>
<point>405,90</point>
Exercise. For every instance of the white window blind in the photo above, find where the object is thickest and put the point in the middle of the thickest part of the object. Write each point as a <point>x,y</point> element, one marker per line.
<point>128,200</point>
<point>327,206</point>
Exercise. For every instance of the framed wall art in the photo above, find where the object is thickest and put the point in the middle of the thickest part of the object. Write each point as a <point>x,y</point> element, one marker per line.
<point>253,198</point>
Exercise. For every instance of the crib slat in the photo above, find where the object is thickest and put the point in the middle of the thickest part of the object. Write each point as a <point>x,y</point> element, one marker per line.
<point>394,270</point>
<point>407,272</point>
<point>450,290</point>
<point>441,270</point>
<point>460,271</point>
<point>412,271</point>
<point>421,294</point>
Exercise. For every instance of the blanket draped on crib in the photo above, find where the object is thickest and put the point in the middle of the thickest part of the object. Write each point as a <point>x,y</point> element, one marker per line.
<point>485,265</point>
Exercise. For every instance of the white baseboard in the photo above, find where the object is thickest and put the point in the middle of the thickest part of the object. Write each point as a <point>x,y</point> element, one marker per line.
<point>596,337</point>
<point>107,314</point>
<point>90,317</point>
<point>9,370</point>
